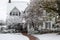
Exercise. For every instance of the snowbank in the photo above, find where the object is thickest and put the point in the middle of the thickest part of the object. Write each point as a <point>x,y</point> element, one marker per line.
<point>13,37</point>
<point>52,36</point>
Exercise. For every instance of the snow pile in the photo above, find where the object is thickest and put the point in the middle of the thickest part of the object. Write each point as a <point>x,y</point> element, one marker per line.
<point>48,36</point>
<point>13,37</point>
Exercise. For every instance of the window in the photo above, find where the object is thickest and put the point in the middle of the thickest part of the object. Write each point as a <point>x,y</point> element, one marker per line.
<point>48,24</point>
<point>15,13</point>
<point>19,13</point>
<point>10,13</point>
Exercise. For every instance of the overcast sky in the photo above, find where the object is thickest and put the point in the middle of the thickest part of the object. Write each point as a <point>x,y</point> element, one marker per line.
<point>3,8</point>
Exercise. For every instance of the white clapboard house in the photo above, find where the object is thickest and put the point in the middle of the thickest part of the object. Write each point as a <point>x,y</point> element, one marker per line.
<point>15,15</point>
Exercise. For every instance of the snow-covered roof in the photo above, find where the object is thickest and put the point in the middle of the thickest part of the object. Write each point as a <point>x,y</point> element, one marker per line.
<point>20,5</point>
<point>15,9</point>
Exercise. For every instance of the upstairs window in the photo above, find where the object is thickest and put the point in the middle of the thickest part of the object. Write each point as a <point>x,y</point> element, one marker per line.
<point>19,13</point>
<point>10,13</point>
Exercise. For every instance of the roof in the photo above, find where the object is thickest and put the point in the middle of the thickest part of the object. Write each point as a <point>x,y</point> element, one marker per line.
<point>21,6</point>
<point>15,9</point>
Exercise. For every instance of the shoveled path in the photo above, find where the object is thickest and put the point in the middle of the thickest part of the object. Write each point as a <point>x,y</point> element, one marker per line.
<point>30,36</point>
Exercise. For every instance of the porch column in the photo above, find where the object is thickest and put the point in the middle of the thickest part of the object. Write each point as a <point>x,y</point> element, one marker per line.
<point>51,26</point>
<point>23,25</point>
<point>28,28</point>
<point>43,25</point>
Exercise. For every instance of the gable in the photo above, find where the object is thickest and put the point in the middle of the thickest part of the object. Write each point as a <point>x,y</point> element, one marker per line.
<point>15,12</point>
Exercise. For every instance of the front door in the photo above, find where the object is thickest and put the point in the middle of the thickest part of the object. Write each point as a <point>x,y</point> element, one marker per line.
<point>20,27</point>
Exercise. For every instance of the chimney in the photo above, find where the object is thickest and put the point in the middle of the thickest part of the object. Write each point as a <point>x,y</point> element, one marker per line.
<point>9,1</point>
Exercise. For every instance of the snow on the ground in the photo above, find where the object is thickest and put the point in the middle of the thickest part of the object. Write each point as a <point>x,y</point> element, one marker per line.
<point>13,37</point>
<point>52,36</point>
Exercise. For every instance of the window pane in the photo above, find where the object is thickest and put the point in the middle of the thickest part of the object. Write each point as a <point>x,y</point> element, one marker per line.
<point>13,14</point>
<point>16,14</point>
<point>19,13</point>
<point>10,13</point>
<point>49,24</point>
<point>46,24</point>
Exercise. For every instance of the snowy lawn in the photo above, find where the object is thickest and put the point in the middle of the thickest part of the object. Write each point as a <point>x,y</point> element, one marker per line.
<point>52,36</point>
<point>13,37</point>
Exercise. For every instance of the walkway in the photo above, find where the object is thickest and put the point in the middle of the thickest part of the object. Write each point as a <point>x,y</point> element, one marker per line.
<point>30,36</point>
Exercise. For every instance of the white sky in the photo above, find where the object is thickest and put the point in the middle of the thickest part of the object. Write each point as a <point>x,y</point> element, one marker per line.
<point>3,8</point>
